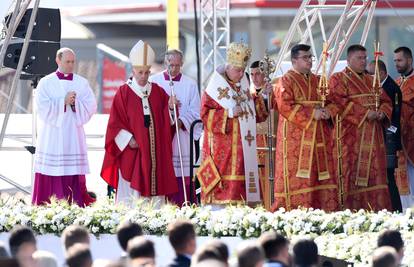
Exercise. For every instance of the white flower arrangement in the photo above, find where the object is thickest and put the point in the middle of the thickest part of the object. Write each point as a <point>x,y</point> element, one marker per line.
<point>345,235</point>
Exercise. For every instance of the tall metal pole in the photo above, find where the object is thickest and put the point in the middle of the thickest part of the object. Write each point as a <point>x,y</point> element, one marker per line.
<point>177,132</point>
<point>18,71</point>
<point>10,32</point>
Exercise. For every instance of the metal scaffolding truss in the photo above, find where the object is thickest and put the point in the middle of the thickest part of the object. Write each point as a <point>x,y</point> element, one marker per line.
<point>19,10</point>
<point>215,35</point>
<point>310,16</point>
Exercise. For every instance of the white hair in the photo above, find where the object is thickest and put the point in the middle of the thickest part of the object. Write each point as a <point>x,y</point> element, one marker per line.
<point>173,52</point>
<point>62,50</point>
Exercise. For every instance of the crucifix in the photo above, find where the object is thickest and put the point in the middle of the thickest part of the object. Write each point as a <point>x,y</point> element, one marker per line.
<point>249,137</point>
<point>249,97</point>
<point>223,93</point>
<point>239,99</point>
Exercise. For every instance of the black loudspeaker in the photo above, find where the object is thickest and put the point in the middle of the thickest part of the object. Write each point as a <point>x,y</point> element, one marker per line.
<point>40,57</point>
<point>47,25</point>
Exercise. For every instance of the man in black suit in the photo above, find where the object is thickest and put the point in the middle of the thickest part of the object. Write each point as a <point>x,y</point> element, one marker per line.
<point>183,239</point>
<point>392,134</point>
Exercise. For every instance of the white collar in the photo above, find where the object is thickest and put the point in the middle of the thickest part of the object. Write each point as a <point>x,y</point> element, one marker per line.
<point>141,91</point>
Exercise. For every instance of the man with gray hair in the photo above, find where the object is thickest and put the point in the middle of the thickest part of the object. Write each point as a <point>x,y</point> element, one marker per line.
<point>228,173</point>
<point>188,108</point>
<point>64,103</point>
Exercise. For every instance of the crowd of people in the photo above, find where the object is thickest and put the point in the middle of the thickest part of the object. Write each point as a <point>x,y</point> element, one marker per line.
<point>269,250</point>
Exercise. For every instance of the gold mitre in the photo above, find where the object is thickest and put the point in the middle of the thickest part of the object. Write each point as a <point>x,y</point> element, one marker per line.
<point>142,55</point>
<point>238,54</point>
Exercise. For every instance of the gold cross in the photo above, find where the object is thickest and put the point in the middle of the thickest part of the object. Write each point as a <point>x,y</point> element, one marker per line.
<point>239,99</point>
<point>246,114</point>
<point>248,95</point>
<point>207,174</point>
<point>249,137</point>
<point>223,93</point>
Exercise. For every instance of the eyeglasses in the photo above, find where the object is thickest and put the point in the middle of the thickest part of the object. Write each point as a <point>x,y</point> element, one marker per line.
<point>307,58</point>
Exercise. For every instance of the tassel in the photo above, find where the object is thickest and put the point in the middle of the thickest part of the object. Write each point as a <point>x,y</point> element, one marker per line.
<point>147,121</point>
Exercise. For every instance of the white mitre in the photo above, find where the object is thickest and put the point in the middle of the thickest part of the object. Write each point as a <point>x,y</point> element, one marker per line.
<point>142,55</point>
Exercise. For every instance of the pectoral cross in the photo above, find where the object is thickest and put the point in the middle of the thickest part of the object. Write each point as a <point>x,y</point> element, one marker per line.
<point>248,95</point>
<point>249,137</point>
<point>239,99</point>
<point>223,93</point>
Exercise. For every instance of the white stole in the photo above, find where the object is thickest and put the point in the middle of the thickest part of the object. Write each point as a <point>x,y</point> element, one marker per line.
<point>247,123</point>
<point>143,93</point>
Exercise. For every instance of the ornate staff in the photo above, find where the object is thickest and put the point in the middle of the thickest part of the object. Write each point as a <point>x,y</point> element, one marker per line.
<point>171,85</point>
<point>267,66</point>
<point>376,83</point>
<point>323,89</point>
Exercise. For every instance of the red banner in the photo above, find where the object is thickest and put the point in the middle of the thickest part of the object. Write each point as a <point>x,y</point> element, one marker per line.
<point>113,76</point>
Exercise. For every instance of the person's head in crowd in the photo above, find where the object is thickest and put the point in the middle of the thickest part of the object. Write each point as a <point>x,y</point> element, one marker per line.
<point>79,255</point>
<point>3,251</point>
<point>10,262</point>
<point>45,259</point>
<point>305,253</point>
<point>212,250</point>
<point>22,244</point>
<point>108,263</point>
<point>301,58</point>
<point>141,252</point>
<point>126,231</point>
<point>276,247</point>
<point>382,69</point>
<point>209,263</point>
<point>182,237</point>
<point>403,60</point>
<point>220,247</point>
<point>357,58</point>
<point>250,254</point>
<point>385,256</point>
<point>74,234</point>
<point>393,239</point>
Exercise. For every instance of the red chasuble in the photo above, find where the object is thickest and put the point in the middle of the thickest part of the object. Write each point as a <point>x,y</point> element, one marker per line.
<point>407,136</point>
<point>224,142</point>
<point>304,175</point>
<point>360,149</point>
<point>149,167</point>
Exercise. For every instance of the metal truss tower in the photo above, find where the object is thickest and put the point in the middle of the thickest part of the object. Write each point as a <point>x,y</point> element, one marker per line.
<point>20,7</point>
<point>309,19</point>
<point>215,36</point>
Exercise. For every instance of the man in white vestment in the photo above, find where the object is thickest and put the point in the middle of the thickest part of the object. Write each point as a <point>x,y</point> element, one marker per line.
<point>186,91</point>
<point>64,102</point>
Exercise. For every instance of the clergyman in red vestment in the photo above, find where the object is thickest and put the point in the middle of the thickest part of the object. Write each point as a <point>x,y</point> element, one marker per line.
<point>403,60</point>
<point>360,148</point>
<point>304,174</point>
<point>229,171</point>
<point>138,152</point>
